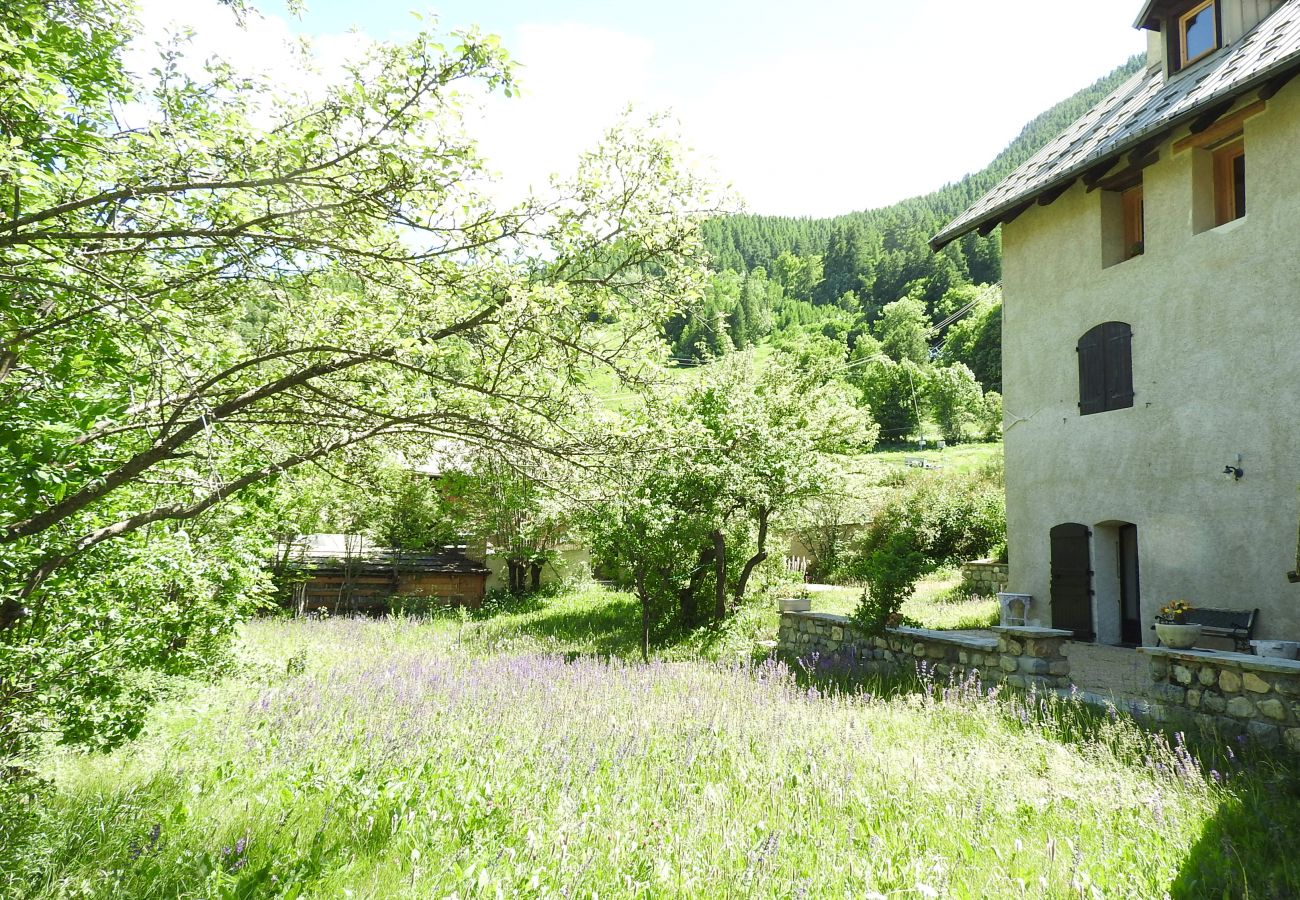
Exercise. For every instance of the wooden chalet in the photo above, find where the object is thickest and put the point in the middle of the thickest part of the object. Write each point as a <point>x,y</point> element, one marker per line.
<point>368,581</point>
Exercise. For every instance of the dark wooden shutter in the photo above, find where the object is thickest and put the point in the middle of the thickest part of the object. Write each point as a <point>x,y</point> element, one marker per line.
<point>1072,580</point>
<point>1118,365</point>
<point>1092,378</point>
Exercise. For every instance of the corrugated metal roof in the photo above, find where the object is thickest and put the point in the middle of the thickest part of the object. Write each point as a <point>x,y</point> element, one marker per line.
<point>1145,106</point>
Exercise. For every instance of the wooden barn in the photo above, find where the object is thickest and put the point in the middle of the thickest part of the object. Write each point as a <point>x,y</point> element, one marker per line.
<point>366,582</point>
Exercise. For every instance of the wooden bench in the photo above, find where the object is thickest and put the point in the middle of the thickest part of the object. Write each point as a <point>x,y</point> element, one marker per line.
<point>1235,624</point>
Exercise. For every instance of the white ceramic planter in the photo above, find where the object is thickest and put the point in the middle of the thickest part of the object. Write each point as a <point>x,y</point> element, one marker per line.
<point>1177,636</point>
<point>796,604</point>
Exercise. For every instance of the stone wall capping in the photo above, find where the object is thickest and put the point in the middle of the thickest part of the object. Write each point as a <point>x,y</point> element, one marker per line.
<point>1227,660</point>
<point>1032,631</point>
<point>830,618</point>
<point>969,642</point>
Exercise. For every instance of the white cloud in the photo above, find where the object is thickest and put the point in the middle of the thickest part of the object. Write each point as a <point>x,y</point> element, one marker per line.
<point>802,126</point>
<point>259,45</point>
<point>577,80</point>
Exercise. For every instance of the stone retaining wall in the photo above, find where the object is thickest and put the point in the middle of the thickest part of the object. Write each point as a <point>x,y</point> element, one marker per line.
<point>985,577</point>
<point>1016,656</point>
<point>1235,692</point>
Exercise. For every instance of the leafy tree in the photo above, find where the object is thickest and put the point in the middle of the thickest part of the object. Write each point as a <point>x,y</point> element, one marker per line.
<point>955,399</point>
<point>707,330</point>
<point>798,276</point>
<point>250,282</point>
<point>844,266</point>
<point>524,505</point>
<point>823,520</point>
<point>990,416</point>
<point>976,340</point>
<point>957,299</point>
<point>903,330</point>
<point>410,511</point>
<point>716,466</point>
<point>894,392</point>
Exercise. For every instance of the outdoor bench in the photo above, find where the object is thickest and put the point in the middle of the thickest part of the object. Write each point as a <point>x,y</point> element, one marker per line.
<point>1236,624</point>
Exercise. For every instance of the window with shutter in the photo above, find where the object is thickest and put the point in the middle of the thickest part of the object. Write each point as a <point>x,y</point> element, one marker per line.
<point>1118,354</point>
<point>1106,368</point>
<point>1092,383</point>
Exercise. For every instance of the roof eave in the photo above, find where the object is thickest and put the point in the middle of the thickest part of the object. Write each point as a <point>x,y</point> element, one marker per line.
<point>1147,19</point>
<point>947,236</point>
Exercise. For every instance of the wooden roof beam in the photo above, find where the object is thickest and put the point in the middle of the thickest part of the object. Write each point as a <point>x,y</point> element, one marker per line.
<point>1212,115</point>
<point>1268,91</point>
<point>1049,197</point>
<point>1127,177</point>
<point>1095,174</point>
<point>1009,216</point>
<point>1142,152</point>
<point>1219,129</point>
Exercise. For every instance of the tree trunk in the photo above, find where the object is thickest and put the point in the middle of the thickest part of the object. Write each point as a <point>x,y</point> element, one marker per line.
<point>720,572</point>
<point>757,559</point>
<point>535,577</point>
<point>689,596</point>
<point>645,617</point>
<point>516,576</point>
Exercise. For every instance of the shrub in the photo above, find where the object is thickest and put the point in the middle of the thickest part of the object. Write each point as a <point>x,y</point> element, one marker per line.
<point>939,521</point>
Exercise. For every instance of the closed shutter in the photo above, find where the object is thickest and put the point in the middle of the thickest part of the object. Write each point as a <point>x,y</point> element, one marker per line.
<point>1092,378</point>
<point>1118,355</point>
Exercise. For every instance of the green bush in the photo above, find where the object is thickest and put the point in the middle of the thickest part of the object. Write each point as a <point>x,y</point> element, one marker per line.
<point>940,520</point>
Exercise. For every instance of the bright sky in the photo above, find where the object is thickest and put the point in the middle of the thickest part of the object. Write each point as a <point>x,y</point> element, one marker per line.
<point>812,108</point>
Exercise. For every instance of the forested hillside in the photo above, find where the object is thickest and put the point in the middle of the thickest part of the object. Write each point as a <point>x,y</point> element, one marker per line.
<point>743,242</point>
<point>782,279</point>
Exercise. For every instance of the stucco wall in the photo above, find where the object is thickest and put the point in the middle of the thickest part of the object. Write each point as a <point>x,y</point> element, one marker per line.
<point>569,561</point>
<point>1216,369</point>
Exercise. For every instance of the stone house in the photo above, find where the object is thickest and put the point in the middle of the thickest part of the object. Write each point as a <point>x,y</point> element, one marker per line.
<point>1151,342</point>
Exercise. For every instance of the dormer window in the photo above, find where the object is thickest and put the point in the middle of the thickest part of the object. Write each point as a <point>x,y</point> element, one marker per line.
<point>1193,34</point>
<point>1198,32</point>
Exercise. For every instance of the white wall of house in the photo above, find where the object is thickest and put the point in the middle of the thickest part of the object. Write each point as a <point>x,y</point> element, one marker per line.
<point>1216,370</point>
<point>570,561</point>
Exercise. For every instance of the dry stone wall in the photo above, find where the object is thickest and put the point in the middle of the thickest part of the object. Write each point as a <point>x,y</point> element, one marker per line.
<point>1235,692</point>
<point>1016,656</point>
<point>985,577</point>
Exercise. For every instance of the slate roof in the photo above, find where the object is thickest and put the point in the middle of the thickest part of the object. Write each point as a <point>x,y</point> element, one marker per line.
<point>375,561</point>
<point>1147,106</point>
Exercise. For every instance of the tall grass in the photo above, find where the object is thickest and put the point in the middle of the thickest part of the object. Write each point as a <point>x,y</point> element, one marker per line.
<point>470,759</point>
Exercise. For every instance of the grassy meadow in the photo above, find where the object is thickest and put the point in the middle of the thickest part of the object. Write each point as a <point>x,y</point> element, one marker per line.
<point>514,757</point>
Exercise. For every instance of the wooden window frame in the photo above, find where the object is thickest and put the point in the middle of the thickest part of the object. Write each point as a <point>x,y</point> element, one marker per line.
<point>1134,211</point>
<point>1183,60</point>
<point>1227,203</point>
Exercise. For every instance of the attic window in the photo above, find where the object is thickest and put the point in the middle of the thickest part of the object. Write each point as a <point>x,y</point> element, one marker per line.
<point>1122,225</point>
<point>1230,182</point>
<point>1198,33</point>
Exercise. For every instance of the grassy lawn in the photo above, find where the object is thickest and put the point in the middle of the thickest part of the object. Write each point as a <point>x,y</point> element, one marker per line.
<point>961,458</point>
<point>450,758</point>
<point>935,604</point>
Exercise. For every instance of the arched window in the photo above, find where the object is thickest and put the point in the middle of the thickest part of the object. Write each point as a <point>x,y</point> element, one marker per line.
<point>1106,368</point>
